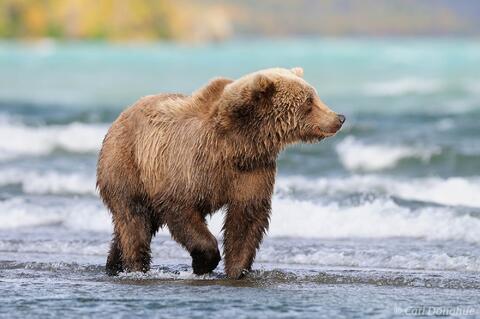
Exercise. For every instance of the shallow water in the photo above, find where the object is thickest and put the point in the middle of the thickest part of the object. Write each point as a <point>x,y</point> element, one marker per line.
<point>381,220</point>
<point>53,272</point>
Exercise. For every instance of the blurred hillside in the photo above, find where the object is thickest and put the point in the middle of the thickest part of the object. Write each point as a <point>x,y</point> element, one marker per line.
<point>207,20</point>
<point>112,20</point>
<point>355,17</point>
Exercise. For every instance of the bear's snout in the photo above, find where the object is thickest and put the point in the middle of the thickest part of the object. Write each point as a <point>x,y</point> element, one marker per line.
<point>336,124</point>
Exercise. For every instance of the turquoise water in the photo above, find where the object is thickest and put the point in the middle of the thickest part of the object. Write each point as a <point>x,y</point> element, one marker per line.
<point>381,220</point>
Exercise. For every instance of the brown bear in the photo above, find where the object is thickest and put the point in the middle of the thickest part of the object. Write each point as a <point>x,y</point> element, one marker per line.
<point>172,159</point>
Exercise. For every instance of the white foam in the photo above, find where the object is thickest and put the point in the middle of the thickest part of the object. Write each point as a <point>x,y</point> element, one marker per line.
<point>450,191</point>
<point>17,139</point>
<point>446,191</point>
<point>445,125</point>
<point>73,214</point>
<point>166,274</point>
<point>474,86</point>
<point>403,86</point>
<point>373,259</point>
<point>56,246</point>
<point>380,218</point>
<point>377,219</point>
<point>436,262</point>
<point>356,155</point>
<point>49,182</point>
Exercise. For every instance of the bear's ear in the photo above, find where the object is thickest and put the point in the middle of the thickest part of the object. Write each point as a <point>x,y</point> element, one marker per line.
<point>298,71</point>
<point>262,86</point>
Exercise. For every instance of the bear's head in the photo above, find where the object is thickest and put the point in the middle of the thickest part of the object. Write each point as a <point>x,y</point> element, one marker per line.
<point>276,105</point>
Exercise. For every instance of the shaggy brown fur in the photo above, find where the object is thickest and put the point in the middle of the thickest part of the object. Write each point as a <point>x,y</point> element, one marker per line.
<point>172,159</point>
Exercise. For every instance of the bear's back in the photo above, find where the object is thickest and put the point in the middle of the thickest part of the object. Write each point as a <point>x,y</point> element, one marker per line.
<point>167,139</point>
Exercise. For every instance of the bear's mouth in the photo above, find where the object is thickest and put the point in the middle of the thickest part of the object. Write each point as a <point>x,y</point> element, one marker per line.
<point>324,134</point>
<point>317,134</point>
<point>328,134</point>
<point>313,136</point>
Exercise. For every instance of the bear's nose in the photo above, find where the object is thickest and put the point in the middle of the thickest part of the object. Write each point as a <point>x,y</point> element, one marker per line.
<point>341,118</point>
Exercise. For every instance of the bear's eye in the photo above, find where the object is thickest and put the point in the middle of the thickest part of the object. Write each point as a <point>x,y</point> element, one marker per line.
<point>309,104</point>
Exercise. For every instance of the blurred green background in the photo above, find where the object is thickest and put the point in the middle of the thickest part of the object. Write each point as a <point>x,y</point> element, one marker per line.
<point>203,20</point>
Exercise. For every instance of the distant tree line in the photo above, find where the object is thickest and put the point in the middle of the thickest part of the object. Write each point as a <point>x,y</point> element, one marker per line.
<point>216,20</point>
<point>88,19</point>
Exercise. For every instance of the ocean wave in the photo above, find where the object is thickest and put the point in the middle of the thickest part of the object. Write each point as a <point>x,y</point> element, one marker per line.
<point>367,255</point>
<point>403,86</point>
<point>444,191</point>
<point>49,182</point>
<point>436,190</point>
<point>290,218</point>
<point>60,242</point>
<point>356,155</point>
<point>377,259</point>
<point>474,87</point>
<point>74,214</point>
<point>19,139</point>
<point>55,246</point>
<point>376,219</point>
<point>386,254</point>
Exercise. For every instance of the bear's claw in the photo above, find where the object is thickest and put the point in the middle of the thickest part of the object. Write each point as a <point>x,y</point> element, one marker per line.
<point>243,273</point>
<point>238,273</point>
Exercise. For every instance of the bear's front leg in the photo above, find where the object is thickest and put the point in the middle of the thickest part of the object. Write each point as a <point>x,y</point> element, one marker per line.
<point>188,227</point>
<point>245,224</point>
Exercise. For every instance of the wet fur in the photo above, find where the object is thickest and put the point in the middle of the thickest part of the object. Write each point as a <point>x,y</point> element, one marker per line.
<point>172,160</point>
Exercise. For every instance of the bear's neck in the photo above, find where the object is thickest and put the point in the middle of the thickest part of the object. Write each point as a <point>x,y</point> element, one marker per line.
<point>249,153</point>
<point>244,144</point>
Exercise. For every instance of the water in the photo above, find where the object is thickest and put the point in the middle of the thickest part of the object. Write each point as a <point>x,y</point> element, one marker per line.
<point>382,220</point>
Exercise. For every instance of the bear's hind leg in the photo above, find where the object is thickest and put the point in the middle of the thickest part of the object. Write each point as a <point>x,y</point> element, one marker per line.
<point>133,231</point>
<point>114,260</point>
<point>135,236</point>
